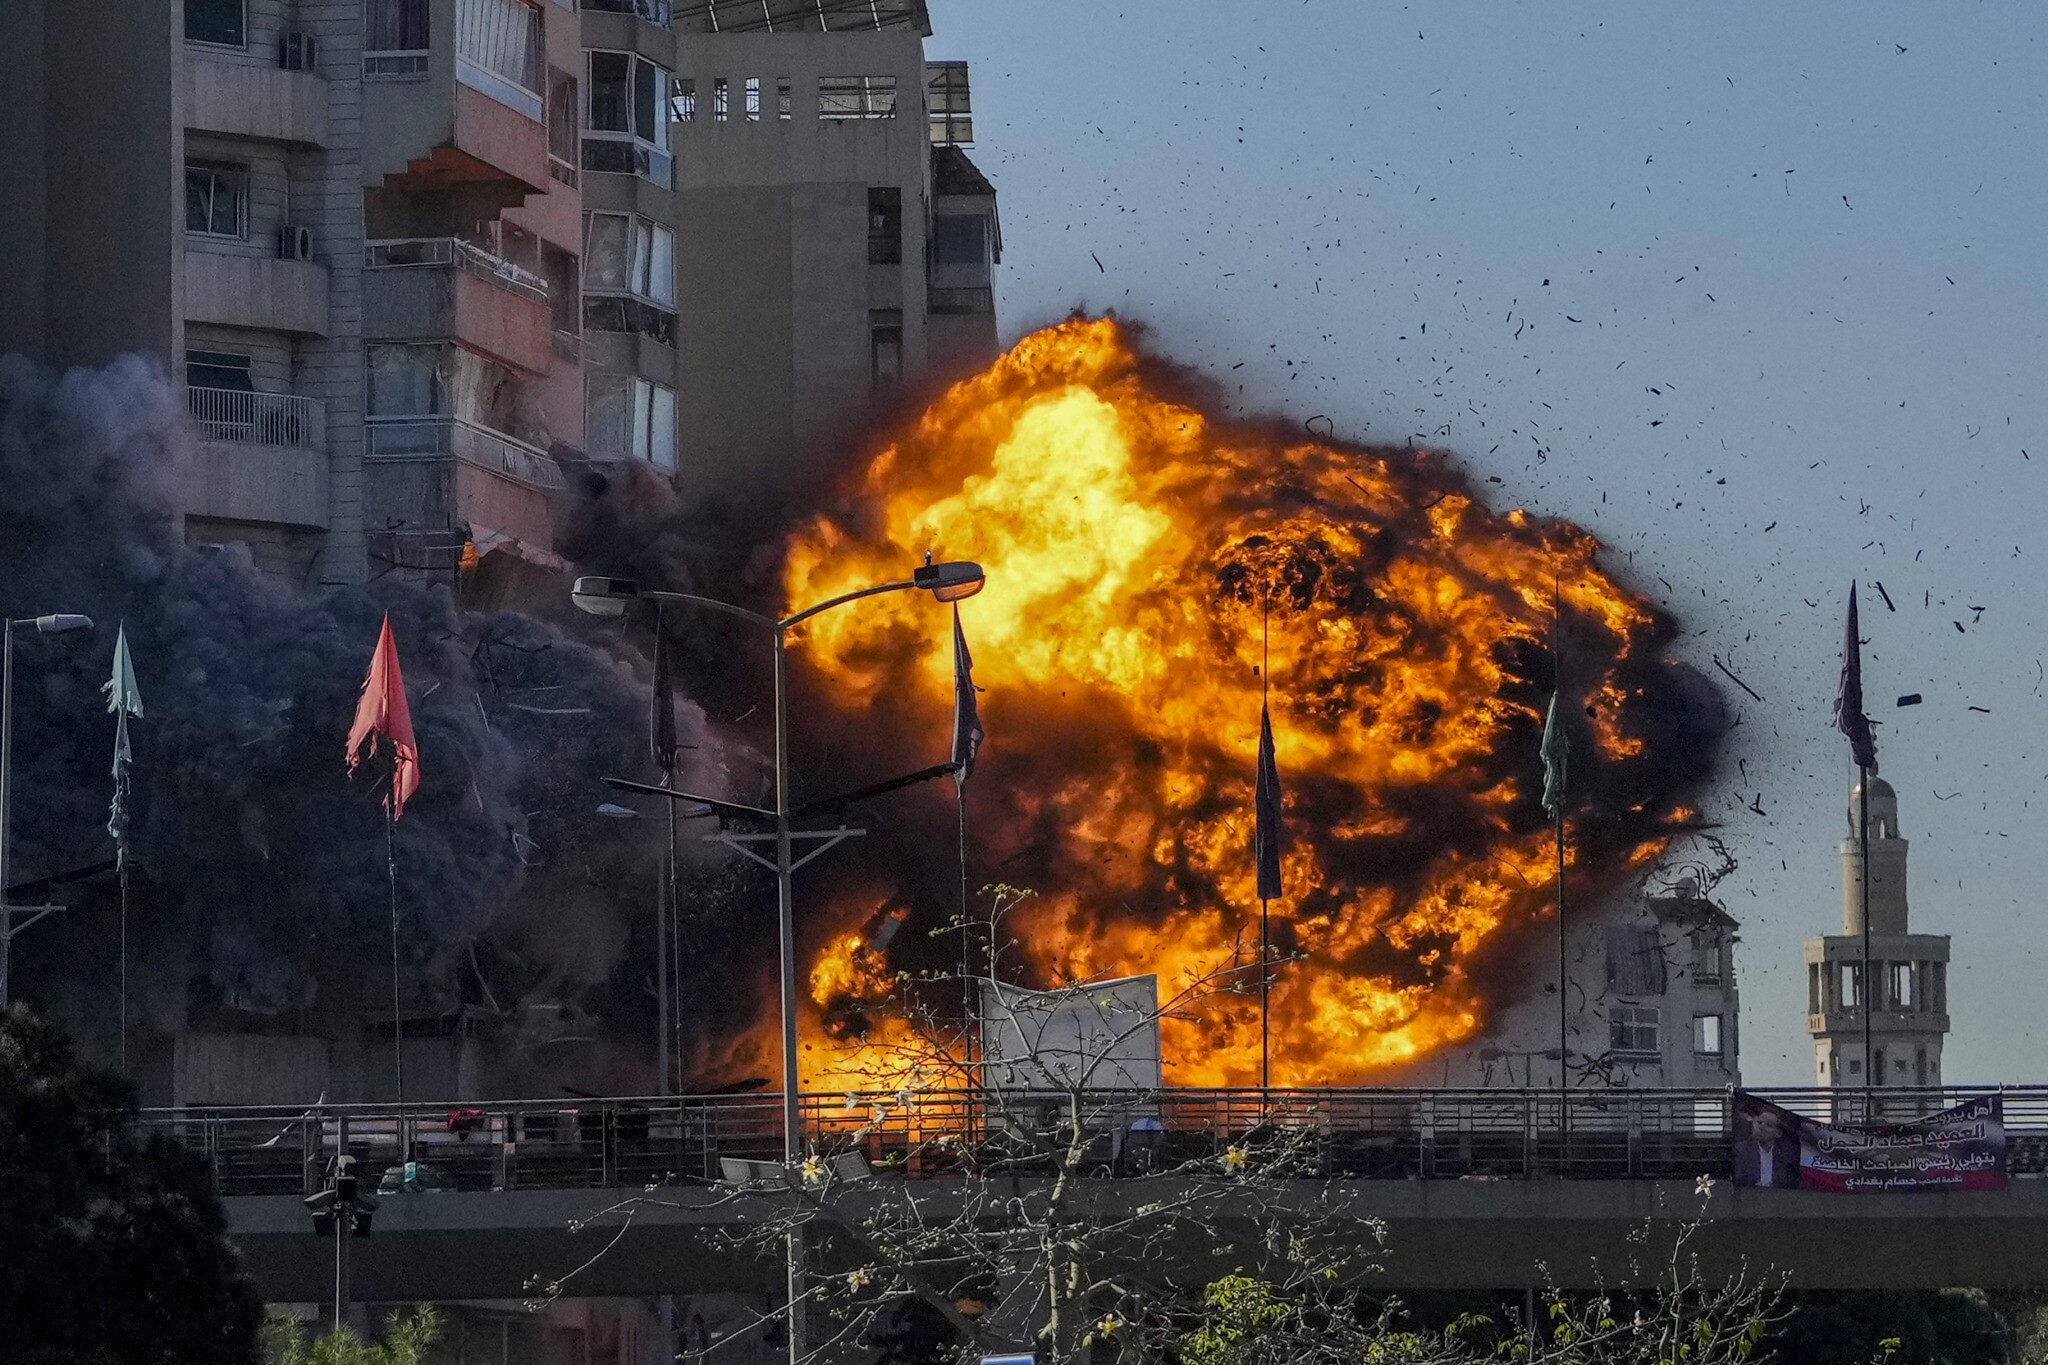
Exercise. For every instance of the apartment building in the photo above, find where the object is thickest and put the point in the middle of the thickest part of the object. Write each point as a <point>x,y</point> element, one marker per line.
<point>411,258</point>
<point>337,222</point>
<point>832,242</point>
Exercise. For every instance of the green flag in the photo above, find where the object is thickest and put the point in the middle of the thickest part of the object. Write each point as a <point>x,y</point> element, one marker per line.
<point>1555,753</point>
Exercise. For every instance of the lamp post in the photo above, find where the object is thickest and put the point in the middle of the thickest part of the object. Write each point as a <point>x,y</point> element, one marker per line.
<point>47,625</point>
<point>948,582</point>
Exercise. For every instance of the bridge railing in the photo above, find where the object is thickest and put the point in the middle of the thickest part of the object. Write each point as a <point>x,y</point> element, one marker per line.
<point>1358,1133</point>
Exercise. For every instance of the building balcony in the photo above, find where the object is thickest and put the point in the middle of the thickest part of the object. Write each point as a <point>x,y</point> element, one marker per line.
<point>260,457</point>
<point>265,102</point>
<point>256,291</point>
<point>437,288</point>
<point>960,300</point>
<point>445,474</point>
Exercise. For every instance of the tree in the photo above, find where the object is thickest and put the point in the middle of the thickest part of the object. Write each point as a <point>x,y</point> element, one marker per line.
<point>111,1250</point>
<point>407,1338</point>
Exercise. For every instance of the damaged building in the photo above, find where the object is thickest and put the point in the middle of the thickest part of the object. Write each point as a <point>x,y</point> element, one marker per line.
<point>417,262</point>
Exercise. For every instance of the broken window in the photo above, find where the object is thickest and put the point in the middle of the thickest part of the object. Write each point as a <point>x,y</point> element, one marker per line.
<point>407,380</point>
<point>218,370</point>
<point>562,126</point>
<point>1633,1029</point>
<point>629,101</point>
<point>1706,956</point>
<point>856,97</point>
<point>960,239</point>
<point>216,198</point>
<point>215,21</point>
<point>1635,960</point>
<point>718,100</point>
<point>753,95</point>
<point>655,12</point>
<point>885,225</point>
<point>390,25</point>
<point>682,100</point>
<point>627,254</point>
<point>1706,1035</point>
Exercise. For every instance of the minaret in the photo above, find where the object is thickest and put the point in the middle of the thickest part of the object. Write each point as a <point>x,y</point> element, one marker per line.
<point>1908,990</point>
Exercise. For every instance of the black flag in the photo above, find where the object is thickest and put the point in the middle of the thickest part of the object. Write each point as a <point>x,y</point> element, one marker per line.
<point>1268,836</point>
<point>967,733</point>
<point>1849,717</point>
<point>661,726</point>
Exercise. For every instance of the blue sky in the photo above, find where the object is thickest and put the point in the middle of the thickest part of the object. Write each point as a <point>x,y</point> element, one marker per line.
<point>1747,289</point>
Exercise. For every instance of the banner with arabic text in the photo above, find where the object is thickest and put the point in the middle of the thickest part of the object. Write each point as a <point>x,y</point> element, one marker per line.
<point>1961,1148</point>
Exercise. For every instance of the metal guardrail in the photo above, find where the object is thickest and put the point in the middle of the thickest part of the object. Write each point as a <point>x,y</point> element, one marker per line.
<point>279,419</point>
<point>401,253</point>
<point>427,438</point>
<point>1357,1133</point>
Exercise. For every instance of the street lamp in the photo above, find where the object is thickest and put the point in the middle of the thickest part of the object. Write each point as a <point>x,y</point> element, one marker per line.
<point>47,625</point>
<point>342,1211</point>
<point>948,582</point>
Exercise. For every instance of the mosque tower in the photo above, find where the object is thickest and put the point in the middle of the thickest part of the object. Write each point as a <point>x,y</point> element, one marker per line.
<point>1908,987</point>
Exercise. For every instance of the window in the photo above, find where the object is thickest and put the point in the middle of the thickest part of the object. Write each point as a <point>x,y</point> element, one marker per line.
<point>1851,981</point>
<point>633,417</point>
<point>562,126</point>
<point>215,21</point>
<point>753,99</point>
<point>1877,1066</point>
<point>407,380</point>
<point>885,347</point>
<point>1635,960</point>
<point>782,97</point>
<point>1706,956</point>
<point>629,103</point>
<point>856,97</point>
<point>718,100</point>
<point>216,199</point>
<point>948,102</point>
<point>391,25</point>
<point>625,253</point>
<point>682,105</point>
<point>1633,1029</point>
<point>498,51</point>
<point>1903,996</point>
<point>218,370</point>
<point>1813,1005</point>
<point>1706,1035</point>
<point>885,226</point>
<point>960,239</point>
<point>655,12</point>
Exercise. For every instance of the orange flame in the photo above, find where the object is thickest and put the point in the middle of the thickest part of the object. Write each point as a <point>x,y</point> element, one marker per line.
<point>1143,562</point>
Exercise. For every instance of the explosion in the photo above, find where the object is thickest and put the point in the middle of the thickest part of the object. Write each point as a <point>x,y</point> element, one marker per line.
<point>1154,574</point>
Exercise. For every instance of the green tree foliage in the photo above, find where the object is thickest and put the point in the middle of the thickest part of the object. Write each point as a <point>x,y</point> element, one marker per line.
<point>1924,1327</point>
<point>407,1337</point>
<point>112,1251</point>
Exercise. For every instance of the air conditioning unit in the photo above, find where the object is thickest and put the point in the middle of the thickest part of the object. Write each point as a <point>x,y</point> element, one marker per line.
<point>295,243</point>
<point>298,52</point>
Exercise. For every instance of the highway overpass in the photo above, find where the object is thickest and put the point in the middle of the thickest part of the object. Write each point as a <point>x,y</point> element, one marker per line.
<point>1473,1188</point>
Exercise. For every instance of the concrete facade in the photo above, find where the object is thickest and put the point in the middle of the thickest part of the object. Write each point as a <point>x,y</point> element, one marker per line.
<point>1906,985</point>
<point>198,184</point>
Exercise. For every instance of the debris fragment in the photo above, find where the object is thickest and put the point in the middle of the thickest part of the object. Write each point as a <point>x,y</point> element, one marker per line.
<point>1910,699</point>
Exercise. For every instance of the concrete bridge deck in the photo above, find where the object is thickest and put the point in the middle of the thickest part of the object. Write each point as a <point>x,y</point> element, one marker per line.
<point>1474,1188</point>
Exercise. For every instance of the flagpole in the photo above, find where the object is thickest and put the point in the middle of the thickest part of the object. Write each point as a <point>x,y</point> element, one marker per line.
<point>1869,995</point>
<point>121,856</point>
<point>1265,973</point>
<point>1563,978</point>
<point>397,1019</point>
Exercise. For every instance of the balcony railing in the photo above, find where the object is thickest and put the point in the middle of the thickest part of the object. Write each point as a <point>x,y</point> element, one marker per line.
<point>398,253</point>
<point>418,438</point>
<point>278,419</point>
<point>971,299</point>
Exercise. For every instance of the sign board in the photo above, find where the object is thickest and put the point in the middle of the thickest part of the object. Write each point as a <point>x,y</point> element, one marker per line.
<point>1025,1358</point>
<point>1960,1148</point>
<point>1103,1035</point>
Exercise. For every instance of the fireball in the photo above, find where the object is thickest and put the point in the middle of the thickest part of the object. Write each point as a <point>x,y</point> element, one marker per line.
<point>1156,574</point>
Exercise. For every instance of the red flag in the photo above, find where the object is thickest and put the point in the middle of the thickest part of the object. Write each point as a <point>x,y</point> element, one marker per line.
<point>383,711</point>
